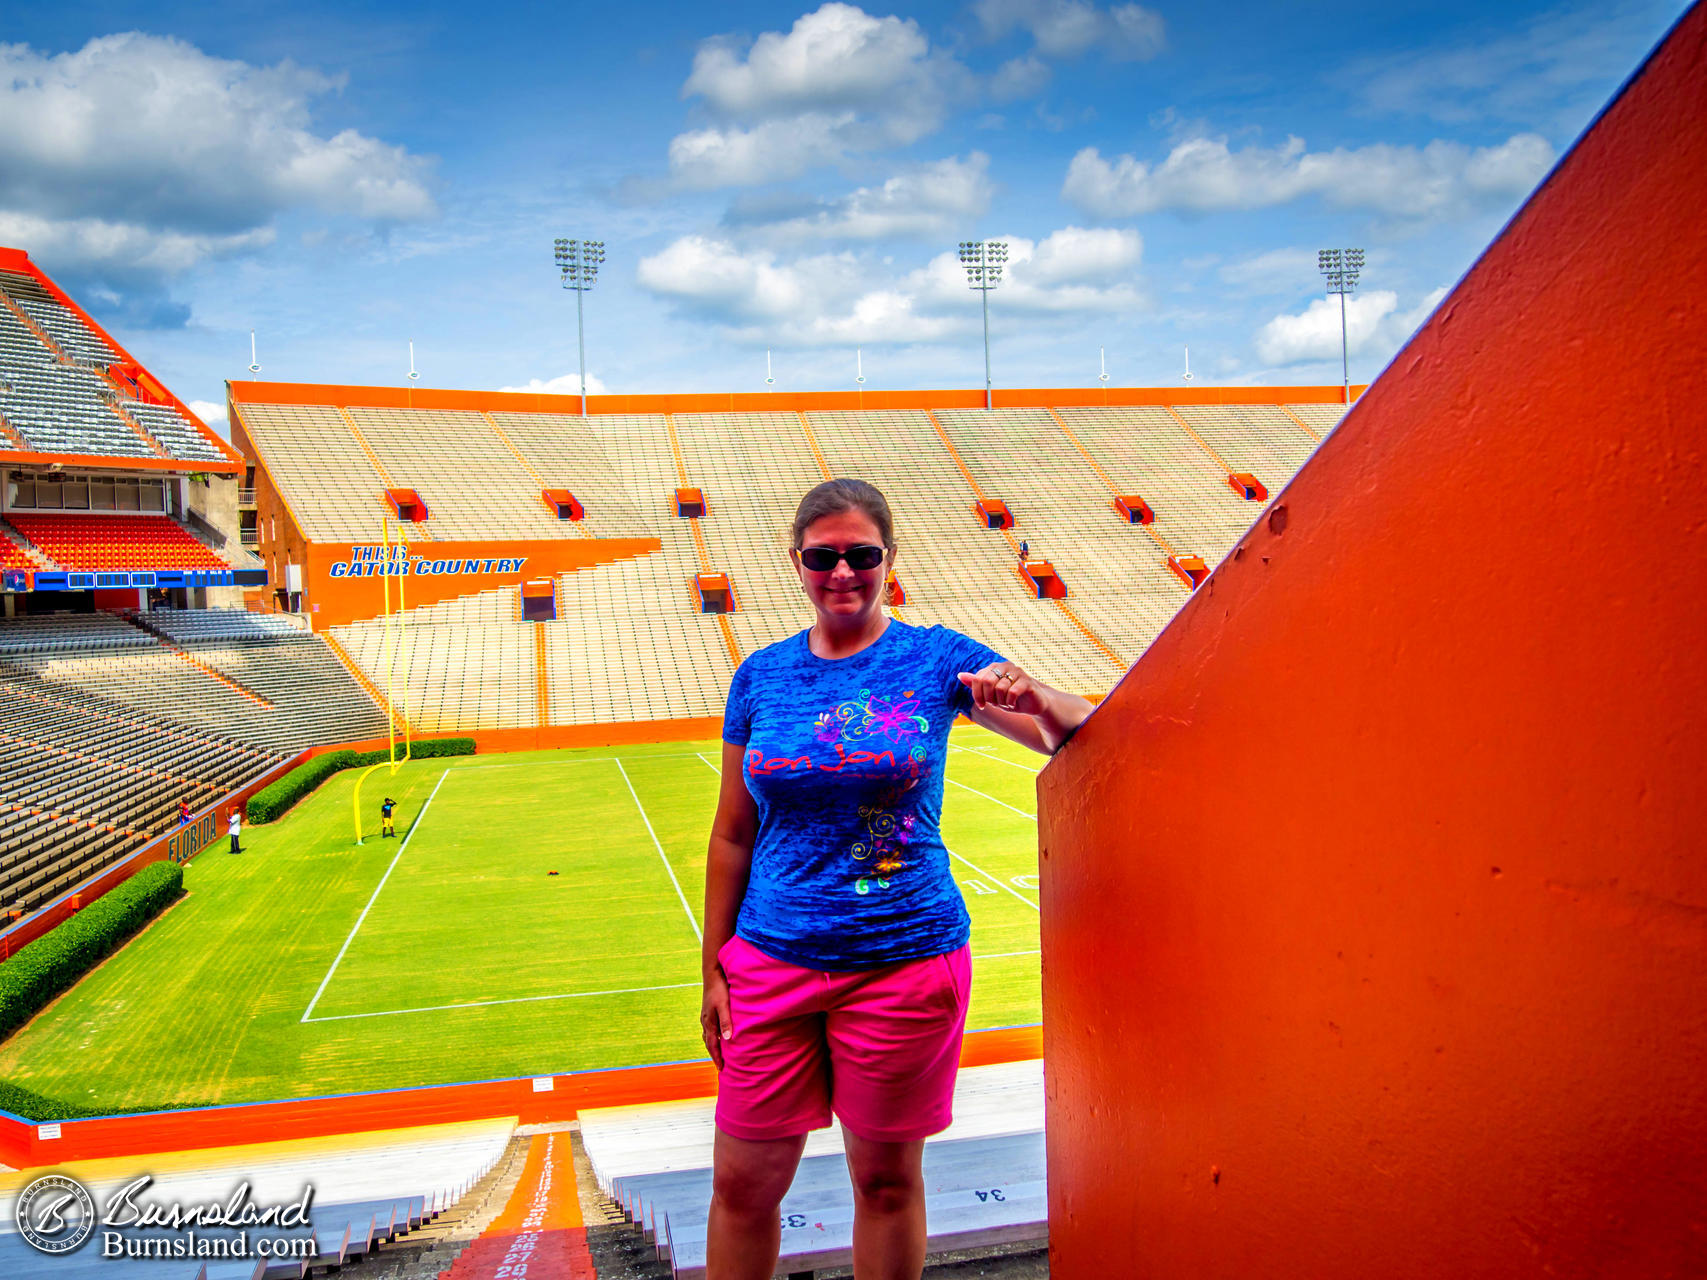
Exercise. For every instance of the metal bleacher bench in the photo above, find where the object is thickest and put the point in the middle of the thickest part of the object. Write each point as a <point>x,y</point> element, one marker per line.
<point>978,1192</point>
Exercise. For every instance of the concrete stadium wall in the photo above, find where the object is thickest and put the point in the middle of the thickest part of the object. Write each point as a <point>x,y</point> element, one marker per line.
<point>241,393</point>
<point>1374,897</point>
<point>548,1099</point>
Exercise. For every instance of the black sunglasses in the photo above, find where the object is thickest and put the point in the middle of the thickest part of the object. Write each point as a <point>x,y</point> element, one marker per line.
<point>824,559</point>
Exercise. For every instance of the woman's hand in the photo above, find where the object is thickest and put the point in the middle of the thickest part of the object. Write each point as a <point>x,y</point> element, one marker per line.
<point>1004,685</point>
<point>1011,703</point>
<point>714,1024</point>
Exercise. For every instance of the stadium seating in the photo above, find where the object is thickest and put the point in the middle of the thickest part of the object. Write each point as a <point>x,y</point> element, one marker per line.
<point>85,779</point>
<point>95,542</point>
<point>654,1163</point>
<point>175,433</point>
<point>469,480</point>
<point>629,641</point>
<point>230,626</point>
<point>105,727</point>
<point>1319,418</point>
<point>14,555</point>
<point>1260,439</point>
<point>56,395</point>
<point>330,486</point>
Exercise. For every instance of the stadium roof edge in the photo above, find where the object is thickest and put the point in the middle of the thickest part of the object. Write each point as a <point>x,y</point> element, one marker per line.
<point>383,397</point>
<point>18,260</point>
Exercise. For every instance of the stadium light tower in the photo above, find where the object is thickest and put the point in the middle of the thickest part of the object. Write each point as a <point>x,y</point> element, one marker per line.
<point>1341,267</point>
<point>578,262</point>
<point>983,261</point>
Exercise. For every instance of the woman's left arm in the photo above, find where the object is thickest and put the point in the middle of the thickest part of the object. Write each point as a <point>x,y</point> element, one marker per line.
<point>1014,705</point>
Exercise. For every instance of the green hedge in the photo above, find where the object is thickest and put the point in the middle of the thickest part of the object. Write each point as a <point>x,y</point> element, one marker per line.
<point>56,960</point>
<point>272,801</point>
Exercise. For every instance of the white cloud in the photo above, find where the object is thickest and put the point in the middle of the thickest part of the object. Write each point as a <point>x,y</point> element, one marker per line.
<point>932,200</point>
<point>837,56</point>
<point>1276,271</point>
<point>840,81</point>
<point>1019,78</point>
<point>1069,28</point>
<point>1441,179</point>
<point>841,298</point>
<point>774,151</point>
<point>567,384</point>
<point>139,250</point>
<point>143,154</point>
<point>213,415</point>
<point>718,278</point>
<point>1074,255</point>
<point>1373,322</point>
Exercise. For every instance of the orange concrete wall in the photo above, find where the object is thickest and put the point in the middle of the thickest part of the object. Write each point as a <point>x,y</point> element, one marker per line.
<point>1375,896</point>
<point>241,393</point>
<point>22,1145</point>
<point>335,600</point>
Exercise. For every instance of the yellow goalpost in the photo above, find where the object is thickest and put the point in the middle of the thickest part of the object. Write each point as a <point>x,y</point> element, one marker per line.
<point>396,641</point>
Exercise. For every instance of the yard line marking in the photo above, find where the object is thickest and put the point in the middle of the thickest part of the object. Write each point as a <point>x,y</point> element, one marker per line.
<point>531,764</point>
<point>992,799</point>
<point>407,837</point>
<point>990,755</point>
<point>995,879</point>
<point>579,995</point>
<point>477,1004</point>
<point>669,870</point>
<point>708,763</point>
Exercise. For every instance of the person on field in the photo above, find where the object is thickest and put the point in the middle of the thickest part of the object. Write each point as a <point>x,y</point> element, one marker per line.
<point>386,828</point>
<point>234,828</point>
<point>836,967</point>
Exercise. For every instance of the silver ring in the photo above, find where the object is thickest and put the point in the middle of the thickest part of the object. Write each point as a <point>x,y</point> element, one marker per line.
<point>1006,675</point>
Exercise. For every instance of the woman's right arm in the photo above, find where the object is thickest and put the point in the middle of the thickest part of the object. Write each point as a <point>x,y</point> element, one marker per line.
<point>727,865</point>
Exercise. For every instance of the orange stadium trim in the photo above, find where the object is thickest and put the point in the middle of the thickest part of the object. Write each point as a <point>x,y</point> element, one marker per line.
<point>339,576</point>
<point>23,1147</point>
<point>339,394</point>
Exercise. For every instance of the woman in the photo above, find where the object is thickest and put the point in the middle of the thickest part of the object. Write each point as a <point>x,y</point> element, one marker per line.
<point>835,935</point>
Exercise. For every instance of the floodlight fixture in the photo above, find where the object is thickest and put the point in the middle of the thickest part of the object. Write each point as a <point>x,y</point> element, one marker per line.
<point>578,265</point>
<point>1341,267</point>
<point>984,260</point>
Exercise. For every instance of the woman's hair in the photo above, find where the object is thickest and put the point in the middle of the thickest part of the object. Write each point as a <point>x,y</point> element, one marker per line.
<point>836,496</point>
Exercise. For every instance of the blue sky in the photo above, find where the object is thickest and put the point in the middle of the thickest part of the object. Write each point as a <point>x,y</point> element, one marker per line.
<point>345,179</point>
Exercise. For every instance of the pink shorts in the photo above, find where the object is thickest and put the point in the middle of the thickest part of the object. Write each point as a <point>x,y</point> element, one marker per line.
<point>880,1047</point>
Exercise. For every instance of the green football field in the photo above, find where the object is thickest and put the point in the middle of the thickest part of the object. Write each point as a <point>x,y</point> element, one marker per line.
<point>310,965</point>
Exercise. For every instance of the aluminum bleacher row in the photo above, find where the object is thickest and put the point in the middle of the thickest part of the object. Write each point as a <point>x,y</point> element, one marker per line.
<point>56,394</point>
<point>630,642</point>
<point>107,724</point>
<point>984,1176</point>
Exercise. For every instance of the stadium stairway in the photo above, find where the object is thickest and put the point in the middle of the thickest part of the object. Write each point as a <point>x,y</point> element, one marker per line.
<point>539,1232</point>
<point>984,1179</point>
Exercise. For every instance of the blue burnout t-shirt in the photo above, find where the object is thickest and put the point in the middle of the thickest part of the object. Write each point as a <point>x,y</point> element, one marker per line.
<point>844,758</point>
